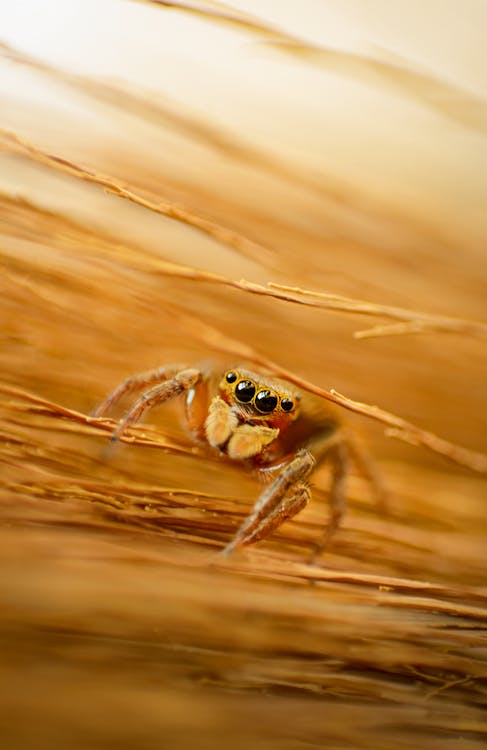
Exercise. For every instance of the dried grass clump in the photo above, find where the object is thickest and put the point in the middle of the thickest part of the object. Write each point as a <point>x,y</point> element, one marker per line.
<point>162,237</point>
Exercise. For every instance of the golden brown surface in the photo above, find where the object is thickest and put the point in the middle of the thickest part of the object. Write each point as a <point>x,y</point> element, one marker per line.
<point>150,237</point>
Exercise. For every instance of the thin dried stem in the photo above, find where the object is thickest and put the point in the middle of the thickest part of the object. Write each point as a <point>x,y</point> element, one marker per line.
<point>13,143</point>
<point>437,93</point>
<point>143,436</point>
<point>414,322</point>
<point>151,107</point>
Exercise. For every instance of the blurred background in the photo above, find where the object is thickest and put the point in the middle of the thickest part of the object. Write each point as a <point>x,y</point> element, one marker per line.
<point>337,147</point>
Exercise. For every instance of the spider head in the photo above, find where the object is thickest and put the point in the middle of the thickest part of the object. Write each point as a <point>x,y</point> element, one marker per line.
<point>258,399</point>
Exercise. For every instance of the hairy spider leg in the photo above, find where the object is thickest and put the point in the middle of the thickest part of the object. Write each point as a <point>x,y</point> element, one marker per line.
<point>338,456</point>
<point>287,495</point>
<point>367,466</point>
<point>290,506</point>
<point>138,383</point>
<point>181,382</point>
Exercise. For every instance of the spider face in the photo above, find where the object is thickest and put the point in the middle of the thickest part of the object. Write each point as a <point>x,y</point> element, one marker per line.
<point>249,415</point>
<point>258,398</point>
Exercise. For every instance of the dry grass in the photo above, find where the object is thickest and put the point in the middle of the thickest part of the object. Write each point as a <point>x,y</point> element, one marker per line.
<point>121,625</point>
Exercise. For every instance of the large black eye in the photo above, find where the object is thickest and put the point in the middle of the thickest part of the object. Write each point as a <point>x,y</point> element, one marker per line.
<point>245,391</point>
<point>231,377</point>
<point>287,404</point>
<point>266,401</point>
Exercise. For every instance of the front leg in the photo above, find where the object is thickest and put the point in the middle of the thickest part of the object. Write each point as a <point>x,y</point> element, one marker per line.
<point>142,381</point>
<point>285,497</point>
<point>184,381</point>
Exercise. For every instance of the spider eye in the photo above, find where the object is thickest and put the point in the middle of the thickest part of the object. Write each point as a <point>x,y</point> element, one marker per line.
<point>287,404</point>
<point>245,391</point>
<point>231,377</point>
<point>266,401</point>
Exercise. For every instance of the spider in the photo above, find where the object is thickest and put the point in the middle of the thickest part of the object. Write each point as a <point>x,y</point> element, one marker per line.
<point>261,422</point>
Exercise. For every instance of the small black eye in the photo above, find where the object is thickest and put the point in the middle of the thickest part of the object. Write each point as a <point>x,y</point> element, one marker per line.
<point>266,401</point>
<point>245,391</point>
<point>287,404</point>
<point>231,377</point>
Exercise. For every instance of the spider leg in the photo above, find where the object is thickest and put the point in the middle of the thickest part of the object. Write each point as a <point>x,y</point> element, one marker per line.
<point>138,383</point>
<point>370,471</point>
<point>183,381</point>
<point>339,456</point>
<point>290,505</point>
<point>280,500</point>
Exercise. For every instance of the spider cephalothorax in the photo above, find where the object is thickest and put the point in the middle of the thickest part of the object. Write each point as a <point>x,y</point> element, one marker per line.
<point>259,421</point>
<point>249,414</point>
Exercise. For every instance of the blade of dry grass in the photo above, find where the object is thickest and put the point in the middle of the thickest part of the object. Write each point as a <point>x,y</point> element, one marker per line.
<point>12,143</point>
<point>414,321</point>
<point>452,101</point>
<point>134,436</point>
<point>149,108</point>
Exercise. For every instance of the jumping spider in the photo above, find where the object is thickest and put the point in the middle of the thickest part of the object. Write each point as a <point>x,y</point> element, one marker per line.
<point>261,422</point>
